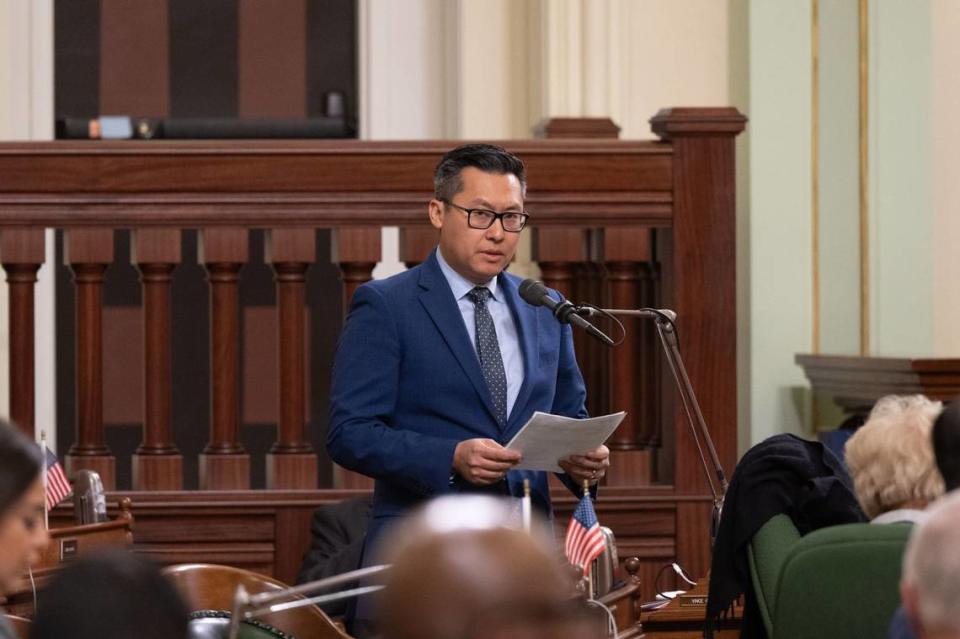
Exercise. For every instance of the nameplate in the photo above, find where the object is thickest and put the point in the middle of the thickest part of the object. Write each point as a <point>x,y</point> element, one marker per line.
<point>68,549</point>
<point>692,601</point>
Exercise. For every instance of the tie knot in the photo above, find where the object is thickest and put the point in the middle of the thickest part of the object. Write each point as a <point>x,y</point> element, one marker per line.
<point>479,295</point>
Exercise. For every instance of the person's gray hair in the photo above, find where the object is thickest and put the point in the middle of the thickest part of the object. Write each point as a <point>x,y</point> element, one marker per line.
<point>931,566</point>
<point>890,457</point>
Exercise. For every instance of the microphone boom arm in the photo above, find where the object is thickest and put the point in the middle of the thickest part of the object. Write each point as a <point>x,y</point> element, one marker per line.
<point>716,479</point>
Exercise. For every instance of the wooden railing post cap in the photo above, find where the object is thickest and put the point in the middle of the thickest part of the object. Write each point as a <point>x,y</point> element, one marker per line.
<point>682,121</point>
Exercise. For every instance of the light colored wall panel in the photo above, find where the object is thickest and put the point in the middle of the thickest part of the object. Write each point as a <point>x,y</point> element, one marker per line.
<point>945,25</point>
<point>838,163</point>
<point>779,226</point>
<point>901,219</point>
<point>675,55</point>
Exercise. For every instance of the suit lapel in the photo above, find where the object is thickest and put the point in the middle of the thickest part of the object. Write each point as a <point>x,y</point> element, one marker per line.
<point>438,301</point>
<point>528,333</point>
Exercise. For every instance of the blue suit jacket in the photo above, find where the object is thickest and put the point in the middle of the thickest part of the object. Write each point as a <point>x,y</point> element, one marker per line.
<point>407,388</point>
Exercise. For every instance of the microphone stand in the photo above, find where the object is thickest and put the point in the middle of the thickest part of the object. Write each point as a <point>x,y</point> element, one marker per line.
<point>247,606</point>
<point>664,320</point>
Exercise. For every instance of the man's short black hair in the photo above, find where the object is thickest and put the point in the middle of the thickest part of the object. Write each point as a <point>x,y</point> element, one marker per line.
<point>946,444</point>
<point>486,157</point>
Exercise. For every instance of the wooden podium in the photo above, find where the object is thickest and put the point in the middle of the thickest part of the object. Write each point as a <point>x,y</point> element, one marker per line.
<point>66,544</point>
<point>685,615</point>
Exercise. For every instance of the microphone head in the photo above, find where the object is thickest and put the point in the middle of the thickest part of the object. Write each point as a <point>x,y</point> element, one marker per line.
<point>533,291</point>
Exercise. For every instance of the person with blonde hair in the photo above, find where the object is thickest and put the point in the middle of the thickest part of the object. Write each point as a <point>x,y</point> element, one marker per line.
<point>891,459</point>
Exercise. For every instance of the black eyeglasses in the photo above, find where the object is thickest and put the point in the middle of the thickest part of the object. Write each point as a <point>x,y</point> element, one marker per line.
<point>511,221</point>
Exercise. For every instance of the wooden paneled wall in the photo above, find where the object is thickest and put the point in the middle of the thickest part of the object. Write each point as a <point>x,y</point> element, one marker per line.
<point>626,223</point>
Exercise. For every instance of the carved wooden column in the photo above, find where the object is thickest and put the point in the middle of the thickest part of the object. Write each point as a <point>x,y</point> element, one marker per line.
<point>291,462</point>
<point>22,254</point>
<point>224,464</point>
<point>157,463</point>
<point>356,250</point>
<point>88,252</point>
<point>416,242</point>
<point>560,252</point>
<point>698,273</point>
<point>626,251</point>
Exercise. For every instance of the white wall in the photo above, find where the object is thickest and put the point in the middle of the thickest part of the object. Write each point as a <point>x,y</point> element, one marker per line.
<point>945,128</point>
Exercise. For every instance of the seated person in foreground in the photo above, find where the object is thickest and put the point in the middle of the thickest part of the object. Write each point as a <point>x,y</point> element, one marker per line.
<point>460,571</point>
<point>930,584</point>
<point>111,595</point>
<point>22,533</point>
<point>891,459</point>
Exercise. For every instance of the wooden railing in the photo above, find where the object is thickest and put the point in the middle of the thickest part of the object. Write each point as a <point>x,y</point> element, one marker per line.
<point>621,224</point>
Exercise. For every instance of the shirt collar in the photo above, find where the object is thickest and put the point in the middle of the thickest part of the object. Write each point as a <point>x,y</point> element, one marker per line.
<point>458,283</point>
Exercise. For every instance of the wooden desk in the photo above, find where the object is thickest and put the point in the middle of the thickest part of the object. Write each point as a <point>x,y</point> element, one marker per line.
<point>684,617</point>
<point>66,544</point>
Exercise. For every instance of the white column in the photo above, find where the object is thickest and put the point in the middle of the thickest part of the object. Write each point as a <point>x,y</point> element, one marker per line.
<point>404,82</point>
<point>26,113</point>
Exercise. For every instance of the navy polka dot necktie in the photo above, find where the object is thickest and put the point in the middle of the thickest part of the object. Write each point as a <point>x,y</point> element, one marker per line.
<point>488,349</point>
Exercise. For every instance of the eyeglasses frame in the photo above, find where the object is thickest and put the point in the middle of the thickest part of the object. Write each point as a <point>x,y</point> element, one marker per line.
<point>496,216</point>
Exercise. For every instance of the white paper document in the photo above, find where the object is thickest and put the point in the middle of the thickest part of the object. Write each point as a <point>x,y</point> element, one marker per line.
<point>546,439</point>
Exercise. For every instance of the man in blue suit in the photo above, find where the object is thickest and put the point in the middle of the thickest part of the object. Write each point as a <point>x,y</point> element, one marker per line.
<point>439,366</point>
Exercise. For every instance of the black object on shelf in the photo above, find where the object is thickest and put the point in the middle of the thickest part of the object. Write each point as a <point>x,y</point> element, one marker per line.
<point>127,128</point>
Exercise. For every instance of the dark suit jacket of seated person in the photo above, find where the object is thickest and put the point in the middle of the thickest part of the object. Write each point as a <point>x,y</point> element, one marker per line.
<point>408,385</point>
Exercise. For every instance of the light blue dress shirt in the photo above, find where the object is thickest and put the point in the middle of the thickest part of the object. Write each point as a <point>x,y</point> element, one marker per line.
<point>503,322</point>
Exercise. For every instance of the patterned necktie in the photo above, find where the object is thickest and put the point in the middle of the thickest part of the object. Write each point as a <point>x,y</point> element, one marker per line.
<point>489,351</point>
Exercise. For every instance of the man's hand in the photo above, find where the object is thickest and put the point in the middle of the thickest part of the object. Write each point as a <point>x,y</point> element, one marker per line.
<point>483,461</point>
<point>590,466</point>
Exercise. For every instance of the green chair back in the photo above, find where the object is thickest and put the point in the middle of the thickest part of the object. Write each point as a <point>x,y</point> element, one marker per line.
<point>839,582</point>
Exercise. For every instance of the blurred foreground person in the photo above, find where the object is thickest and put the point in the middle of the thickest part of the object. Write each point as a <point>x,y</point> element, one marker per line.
<point>930,584</point>
<point>891,459</point>
<point>23,535</point>
<point>111,595</point>
<point>463,570</point>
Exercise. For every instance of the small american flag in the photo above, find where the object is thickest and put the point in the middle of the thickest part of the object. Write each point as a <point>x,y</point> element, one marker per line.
<point>584,538</point>
<point>55,480</point>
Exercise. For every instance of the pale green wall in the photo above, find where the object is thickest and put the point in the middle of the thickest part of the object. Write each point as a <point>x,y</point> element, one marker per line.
<point>774,215</point>
<point>838,170</point>
<point>901,207</point>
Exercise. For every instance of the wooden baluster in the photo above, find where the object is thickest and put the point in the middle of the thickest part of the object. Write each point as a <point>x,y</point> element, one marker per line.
<point>416,242</point>
<point>650,428</point>
<point>88,252</point>
<point>22,254</point>
<point>224,464</point>
<point>291,462</point>
<point>558,251</point>
<point>157,463</point>
<point>593,356</point>
<point>356,250</point>
<point>624,250</point>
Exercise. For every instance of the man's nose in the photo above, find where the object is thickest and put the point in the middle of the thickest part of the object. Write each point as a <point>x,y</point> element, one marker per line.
<point>495,231</point>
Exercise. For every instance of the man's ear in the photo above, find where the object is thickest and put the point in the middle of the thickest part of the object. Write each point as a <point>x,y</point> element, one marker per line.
<point>908,597</point>
<point>435,210</point>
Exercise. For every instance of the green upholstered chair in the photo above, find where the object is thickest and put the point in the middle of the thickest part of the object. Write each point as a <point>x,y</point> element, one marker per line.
<point>840,581</point>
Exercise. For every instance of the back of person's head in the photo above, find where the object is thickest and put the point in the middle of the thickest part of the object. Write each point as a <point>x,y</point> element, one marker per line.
<point>930,582</point>
<point>489,158</point>
<point>111,595</point>
<point>946,444</point>
<point>455,575</point>
<point>22,533</point>
<point>890,457</point>
<point>20,464</point>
